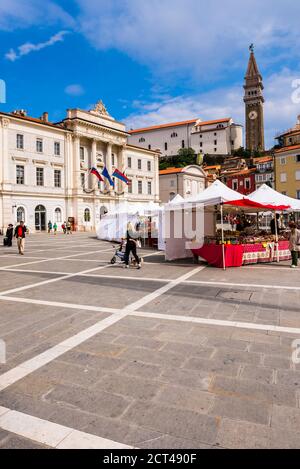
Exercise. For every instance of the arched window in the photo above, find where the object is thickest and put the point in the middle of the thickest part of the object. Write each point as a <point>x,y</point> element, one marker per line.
<point>103,211</point>
<point>87,215</point>
<point>57,215</point>
<point>20,214</point>
<point>141,140</point>
<point>172,195</point>
<point>174,134</point>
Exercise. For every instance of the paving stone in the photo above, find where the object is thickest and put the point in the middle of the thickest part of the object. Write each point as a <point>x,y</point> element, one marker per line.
<point>142,370</point>
<point>189,350</point>
<point>94,401</point>
<point>227,343</point>
<point>101,349</point>
<point>135,388</point>
<point>215,366</point>
<point>241,409</point>
<point>286,417</point>
<point>253,390</point>
<point>89,360</point>
<point>167,441</point>
<point>243,435</point>
<point>190,378</point>
<point>254,336</point>
<point>258,373</point>
<point>270,349</point>
<point>276,361</point>
<point>131,341</point>
<point>17,442</point>
<point>153,357</point>
<point>3,435</point>
<point>185,398</point>
<point>237,356</point>
<point>60,372</point>
<point>175,422</point>
<point>288,378</point>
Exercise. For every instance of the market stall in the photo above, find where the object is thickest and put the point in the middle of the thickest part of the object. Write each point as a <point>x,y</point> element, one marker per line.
<point>249,246</point>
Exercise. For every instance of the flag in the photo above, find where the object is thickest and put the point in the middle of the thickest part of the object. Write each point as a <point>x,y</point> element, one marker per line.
<point>105,173</point>
<point>97,174</point>
<point>121,176</point>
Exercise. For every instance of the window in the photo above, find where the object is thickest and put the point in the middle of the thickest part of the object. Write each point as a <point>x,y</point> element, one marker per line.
<point>166,146</point>
<point>201,144</point>
<point>215,142</point>
<point>215,150</point>
<point>283,160</point>
<point>82,179</point>
<point>20,141</point>
<point>283,177</point>
<point>247,183</point>
<point>172,195</point>
<point>141,140</point>
<point>298,195</point>
<point>20,214</point>
<point>182,144</point>
<point>39,145</point>
<point>235,184</point>
<point>140,187</point>
<point>57,178</point>
<point>297,158</point>
<point>130,187</point>
<point>20,174</point>
<point>174,134</point>
<point>81,153</point>
<point>200,135</point>
<point>215,134</point>
<point>149,147</point>
<point>149,165</point>
<point>298,175</point>
<point>39,176</point>
<point>129,162</point>
<point>57,215</point>
<point>172,183</point>
<point>56,148</point>
<point>149,186</point>
<point>232,142</point>
<point>139,164</point>
<point>87,215</point>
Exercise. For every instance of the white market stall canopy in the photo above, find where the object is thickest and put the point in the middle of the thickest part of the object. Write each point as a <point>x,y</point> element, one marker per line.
<point>267,196</point>
<point>215,194</point>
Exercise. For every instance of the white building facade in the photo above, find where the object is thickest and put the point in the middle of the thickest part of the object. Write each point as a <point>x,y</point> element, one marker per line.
<point>215,137</point>
<point>45,169</point>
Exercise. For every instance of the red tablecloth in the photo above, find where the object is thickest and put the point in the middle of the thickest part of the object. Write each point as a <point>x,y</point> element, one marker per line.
<point>237,255</point>
<point>212,253</point>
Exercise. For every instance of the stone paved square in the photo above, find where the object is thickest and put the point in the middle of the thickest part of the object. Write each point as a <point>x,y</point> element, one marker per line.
<point>175,355</point>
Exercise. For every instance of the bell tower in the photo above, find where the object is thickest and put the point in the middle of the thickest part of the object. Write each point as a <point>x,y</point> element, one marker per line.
<point>254,106</point>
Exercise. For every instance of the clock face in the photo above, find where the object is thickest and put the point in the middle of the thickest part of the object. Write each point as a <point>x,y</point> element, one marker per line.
<point>253,115</point>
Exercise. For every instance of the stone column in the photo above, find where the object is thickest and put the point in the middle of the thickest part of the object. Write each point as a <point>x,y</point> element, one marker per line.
<point>77,169</point>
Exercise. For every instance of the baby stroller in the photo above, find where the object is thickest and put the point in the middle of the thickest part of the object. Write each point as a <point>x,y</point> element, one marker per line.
<point>119,255</point>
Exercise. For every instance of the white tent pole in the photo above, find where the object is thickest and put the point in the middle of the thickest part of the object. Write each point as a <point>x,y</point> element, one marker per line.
<point>223,246</point>
<point>276,237</point>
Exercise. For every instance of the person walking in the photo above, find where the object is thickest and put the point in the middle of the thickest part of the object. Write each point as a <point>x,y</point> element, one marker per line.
<point>131,246</point>
<point>294,244</point>
<point>9,235</point>
<point>49,227</point>
<point>64,227</point>
<point>20,232</point>
<point>55,228</point>
<point>69,227</point>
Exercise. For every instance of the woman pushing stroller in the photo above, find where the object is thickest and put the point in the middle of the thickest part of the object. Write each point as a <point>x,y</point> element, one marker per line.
<point>131,246</point>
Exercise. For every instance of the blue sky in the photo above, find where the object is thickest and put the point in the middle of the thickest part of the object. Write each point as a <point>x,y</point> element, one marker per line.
<point>149,61</point>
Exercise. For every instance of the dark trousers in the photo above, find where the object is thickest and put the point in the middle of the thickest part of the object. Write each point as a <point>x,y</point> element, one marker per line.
<point>295,255</point>
<point>131,247</point>
<point>9,241</point>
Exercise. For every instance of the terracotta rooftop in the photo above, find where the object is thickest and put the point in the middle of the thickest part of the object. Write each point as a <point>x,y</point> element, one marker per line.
<point>291,147</point>
<point>171,171</point>
<point>177,124</point>
<point>263,159</point>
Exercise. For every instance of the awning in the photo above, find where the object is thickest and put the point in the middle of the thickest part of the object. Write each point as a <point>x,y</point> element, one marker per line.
<point>247,203</point>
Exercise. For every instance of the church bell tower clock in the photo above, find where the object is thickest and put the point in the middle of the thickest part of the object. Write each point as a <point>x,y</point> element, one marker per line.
<point>254,106</point>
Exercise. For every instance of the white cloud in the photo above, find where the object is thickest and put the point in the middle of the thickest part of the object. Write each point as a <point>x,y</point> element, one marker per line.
<point>193,38</point>
<point>74,90</point>
<point>280,110</point>
<point>16,14</point>
<point>29,47</point>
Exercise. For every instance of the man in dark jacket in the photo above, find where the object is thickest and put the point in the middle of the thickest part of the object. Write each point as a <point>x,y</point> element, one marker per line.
<point>20,232</point>
<point>9,235</point>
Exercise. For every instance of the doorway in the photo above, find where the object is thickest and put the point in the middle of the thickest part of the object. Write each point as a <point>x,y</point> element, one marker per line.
<point>40,218</point>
